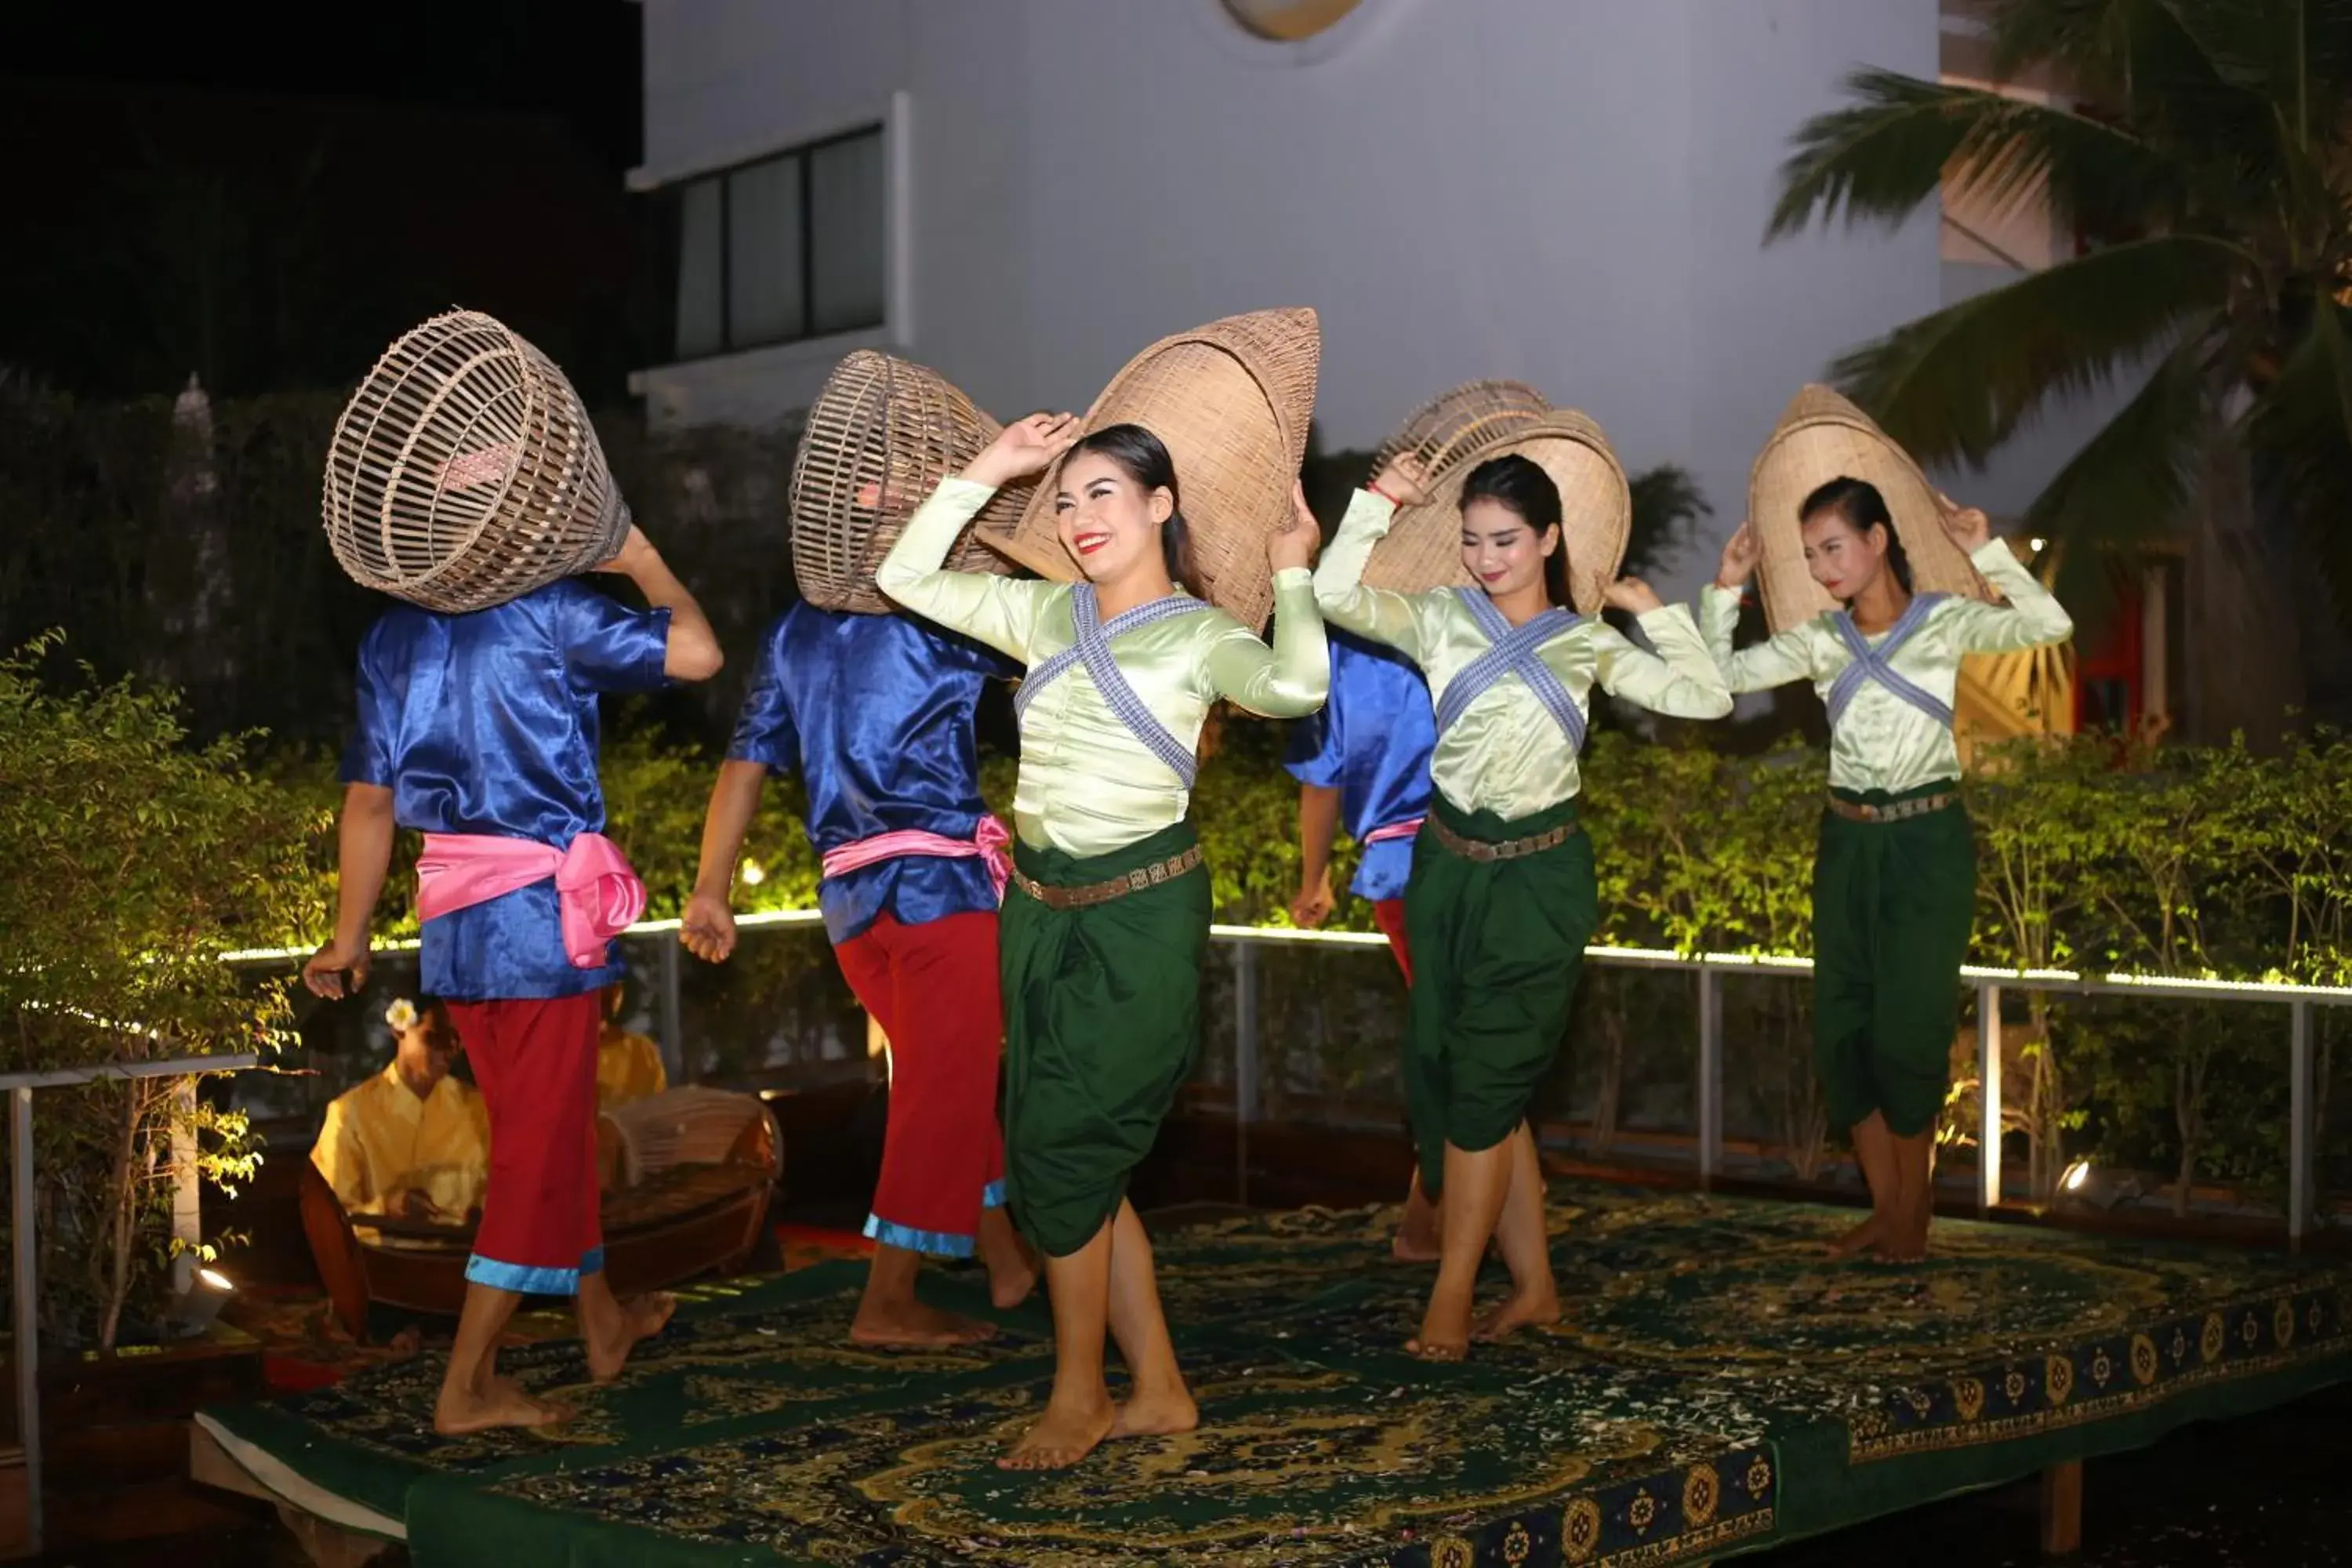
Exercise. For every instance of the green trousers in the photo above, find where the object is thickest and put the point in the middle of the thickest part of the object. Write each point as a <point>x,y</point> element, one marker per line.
<point>1497,949</point>
<point>1892,902</point>
<point>1101,1026</point>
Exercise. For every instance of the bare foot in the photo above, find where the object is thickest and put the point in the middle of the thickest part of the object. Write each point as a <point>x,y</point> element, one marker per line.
<point>1061,1438</point>
<point>1012,1275</point>
<point>1444,1331</point>
<point>1167,1410</point>
<point>1908,1241</point>
<point>406,1343</point>
<point>1523,1308</point>
<point>1417,1237</point>
<point>1415,1242</point>
<point>911,1325</point>
<point>501,1402</point>
<point>1868,1236</point>
<point>642,1317</point>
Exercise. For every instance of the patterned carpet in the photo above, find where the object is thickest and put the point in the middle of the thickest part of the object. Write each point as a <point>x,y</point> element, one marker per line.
<point>1719,1385</point>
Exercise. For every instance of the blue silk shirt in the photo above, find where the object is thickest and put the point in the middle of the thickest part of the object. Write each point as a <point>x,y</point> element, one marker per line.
<point>1371,743</point>
<point>487,723</point>
<point>875,713</point>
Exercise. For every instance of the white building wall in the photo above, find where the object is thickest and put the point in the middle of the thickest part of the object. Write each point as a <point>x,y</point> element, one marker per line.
<point>1571,191</point>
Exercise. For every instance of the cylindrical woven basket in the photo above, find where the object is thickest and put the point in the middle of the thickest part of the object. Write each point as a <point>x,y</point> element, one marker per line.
<point>880,437</point>
<point>1454,434</point>
<point>1820,437</point>
<point>1232,400</point>
<point>464,472</point>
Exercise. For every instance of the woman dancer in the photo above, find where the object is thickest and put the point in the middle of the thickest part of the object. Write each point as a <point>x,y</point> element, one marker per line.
<point>1894,877</point>
<point>1104,928</point>
<point>1366,758</point>
<point>1502,898</point>
<point>875,712</point>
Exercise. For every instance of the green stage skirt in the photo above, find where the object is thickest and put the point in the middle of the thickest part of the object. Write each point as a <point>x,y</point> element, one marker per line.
<point>1891,906</point>
<point>1497,949</point>
<point>1101,1026</point>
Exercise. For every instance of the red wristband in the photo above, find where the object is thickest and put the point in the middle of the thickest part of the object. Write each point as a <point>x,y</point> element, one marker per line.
<point>1374,487</point>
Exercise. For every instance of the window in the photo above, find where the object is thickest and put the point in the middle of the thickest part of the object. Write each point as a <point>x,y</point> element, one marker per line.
<point>791,246</point>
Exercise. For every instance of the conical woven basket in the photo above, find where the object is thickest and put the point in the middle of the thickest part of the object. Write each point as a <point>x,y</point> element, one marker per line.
<point>1232,400</point>
<point>1462,429</point>
<point>1820,437</point>
<point>880,437</point>
<point>464,472</point>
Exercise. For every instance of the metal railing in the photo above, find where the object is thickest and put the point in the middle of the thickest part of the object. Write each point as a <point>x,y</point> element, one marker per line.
<point>1989,984</point>
<point>1710,968</point>
<point>25,1249</point>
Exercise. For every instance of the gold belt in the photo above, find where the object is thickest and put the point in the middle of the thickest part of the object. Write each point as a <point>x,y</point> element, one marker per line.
<point>1855,811</point>
<point>1135,882</point>
<point>1510,850</point>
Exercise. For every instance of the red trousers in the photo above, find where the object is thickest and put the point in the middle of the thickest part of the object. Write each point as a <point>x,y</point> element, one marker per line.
<point>1389,915</point>
<point>933,988</point>
<point>535,1061</point>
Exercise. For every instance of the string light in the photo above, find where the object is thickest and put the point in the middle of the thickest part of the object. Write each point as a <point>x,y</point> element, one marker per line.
<point>752,874</point>
<point>1604,953</point>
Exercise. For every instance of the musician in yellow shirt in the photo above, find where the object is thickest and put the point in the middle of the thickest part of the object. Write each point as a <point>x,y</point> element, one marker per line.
<point>628,1065</point>
<point>411,1141</point>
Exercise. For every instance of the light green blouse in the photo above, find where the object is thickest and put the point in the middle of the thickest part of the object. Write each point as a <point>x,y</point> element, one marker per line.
<point>1087,786</point>
<point>1883,742</point>
<point>1507,754</point>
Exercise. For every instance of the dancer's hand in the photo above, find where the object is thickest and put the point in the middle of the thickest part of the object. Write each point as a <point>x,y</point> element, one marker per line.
<point>1292,544</point>
<point>337,970</point>
<point>1966,526</point>
<point>1633,594</point>
<point>1741,551</point>
<point>1023,447</point>
<point>707,930</point>
<point>1405,480</point>
<point>1312,907</point>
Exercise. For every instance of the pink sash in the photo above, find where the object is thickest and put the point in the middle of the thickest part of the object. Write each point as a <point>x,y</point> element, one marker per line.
<point>990,841</point>
<point>595,887</point>
<point>1405,829</point>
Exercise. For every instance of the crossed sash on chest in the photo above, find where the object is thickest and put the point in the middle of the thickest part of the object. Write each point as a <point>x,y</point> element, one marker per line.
<point>1876,665</point>
<point>1513,650</point>
<point>1091,647</point>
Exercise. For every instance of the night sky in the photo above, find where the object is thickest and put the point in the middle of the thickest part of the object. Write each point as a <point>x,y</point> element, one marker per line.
<point>575,58</point>
<point>267,194</point>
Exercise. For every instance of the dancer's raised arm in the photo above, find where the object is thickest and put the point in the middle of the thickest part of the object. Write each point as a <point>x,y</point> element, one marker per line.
<point>999,611</point>
<point>1400,620</point>
<point>1680,679</point>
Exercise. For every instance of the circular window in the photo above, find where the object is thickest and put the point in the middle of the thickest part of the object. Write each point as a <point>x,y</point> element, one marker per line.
<point>1288,21</point>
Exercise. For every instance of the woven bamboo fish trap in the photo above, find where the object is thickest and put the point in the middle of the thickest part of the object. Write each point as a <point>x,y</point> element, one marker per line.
<point>1232,400</point>
<point>464,472</point>
<point>880,438</point>
<point>1454,433</point>
<point>1823,436</point>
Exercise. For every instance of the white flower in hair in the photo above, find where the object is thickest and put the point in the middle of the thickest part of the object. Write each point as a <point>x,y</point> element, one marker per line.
<point>401,1015</point>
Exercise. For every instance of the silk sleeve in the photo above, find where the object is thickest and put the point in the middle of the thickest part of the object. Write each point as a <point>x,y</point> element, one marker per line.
<point>1287,680</point>
<point>2033,617</point>
<point>1394,618</point>
<point>999,611</point>
<point>1776,662</point>
<point>1680,679</point>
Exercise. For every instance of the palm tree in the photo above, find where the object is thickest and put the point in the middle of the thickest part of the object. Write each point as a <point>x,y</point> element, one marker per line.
<point>2209,171</point>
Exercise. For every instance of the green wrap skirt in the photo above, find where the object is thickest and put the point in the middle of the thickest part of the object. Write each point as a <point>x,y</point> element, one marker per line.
<point>1498,946</point>
<point>1892,902</point>
<point>1102,1010</point>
